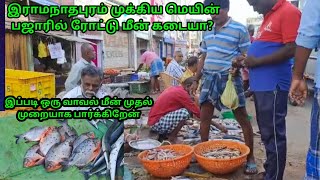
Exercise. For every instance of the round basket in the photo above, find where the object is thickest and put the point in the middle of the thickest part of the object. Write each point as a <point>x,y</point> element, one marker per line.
<point>220,166</point>
<point>168,168</point>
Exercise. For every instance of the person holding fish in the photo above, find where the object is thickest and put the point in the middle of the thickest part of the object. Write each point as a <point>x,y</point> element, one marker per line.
<point>220,46</point>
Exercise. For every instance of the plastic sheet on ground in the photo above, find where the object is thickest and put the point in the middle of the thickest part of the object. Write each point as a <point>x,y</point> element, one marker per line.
<point>12,154</point>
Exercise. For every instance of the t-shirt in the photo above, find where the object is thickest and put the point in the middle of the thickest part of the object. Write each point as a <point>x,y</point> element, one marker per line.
<point>223,45</point>
<point>188,73</point>
<point>172,99</point>
<point>148,57</point>
<point>279,27</point>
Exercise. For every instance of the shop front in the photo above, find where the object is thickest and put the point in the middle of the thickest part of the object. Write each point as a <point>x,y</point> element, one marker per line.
<point>55,52</point>
<point>116,50</point>
<point>167,47</point>
<point>16,45</point>
<point>96,39</point>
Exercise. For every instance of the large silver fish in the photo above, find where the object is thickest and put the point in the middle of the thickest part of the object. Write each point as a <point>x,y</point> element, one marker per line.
<point>51,138</point>
<point>57,153</point>
<point>32,158</point>
<point>82,138</point>
<point>33,135</point>
<point>87,151</point>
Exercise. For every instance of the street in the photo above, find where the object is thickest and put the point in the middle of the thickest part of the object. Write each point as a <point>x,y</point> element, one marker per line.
<point>298,124</point>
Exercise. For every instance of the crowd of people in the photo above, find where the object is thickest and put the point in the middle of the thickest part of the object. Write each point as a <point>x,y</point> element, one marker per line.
<point>261,67</point>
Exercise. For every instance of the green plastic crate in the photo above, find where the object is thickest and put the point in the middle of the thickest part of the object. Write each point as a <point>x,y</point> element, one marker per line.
<point>139,87</point>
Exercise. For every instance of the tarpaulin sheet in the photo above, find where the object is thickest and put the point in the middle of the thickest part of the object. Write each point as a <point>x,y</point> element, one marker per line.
<point>12,154</point>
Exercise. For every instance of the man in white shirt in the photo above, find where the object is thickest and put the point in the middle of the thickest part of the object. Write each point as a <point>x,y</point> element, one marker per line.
<point>174,69</point>
<point>91,81</point>
<point>88,54</point>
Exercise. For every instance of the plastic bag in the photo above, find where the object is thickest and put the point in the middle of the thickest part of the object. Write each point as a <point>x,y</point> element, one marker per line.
<point>229,96</point>
<point>42,50</point>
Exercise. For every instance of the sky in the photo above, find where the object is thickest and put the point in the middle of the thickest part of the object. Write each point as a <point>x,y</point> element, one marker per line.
<point>240,10</point>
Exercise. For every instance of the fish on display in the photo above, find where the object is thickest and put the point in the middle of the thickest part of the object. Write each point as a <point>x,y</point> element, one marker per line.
<point>51,138</point>
<point>82,138</point>
<point>32,158</point>
<point>57,153</point>
<point>66,130</point>
<point>33,135</point>
<point>87,151</point>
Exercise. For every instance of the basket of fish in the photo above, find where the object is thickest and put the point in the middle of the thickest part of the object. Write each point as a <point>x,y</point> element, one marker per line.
<point>221,156</point>
<point>166,161</point>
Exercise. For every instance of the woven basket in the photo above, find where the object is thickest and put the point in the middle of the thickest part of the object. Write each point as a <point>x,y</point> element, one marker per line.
<point>220,166</point>
<point>167,79</point>
<point>168,168</point>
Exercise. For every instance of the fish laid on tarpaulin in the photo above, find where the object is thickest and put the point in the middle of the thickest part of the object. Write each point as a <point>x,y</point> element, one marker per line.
<point>86,152</point>
<point>51,138</point>
<point>33,135</point>
<point>66,130</point>
<point>32,158</point>
<point>57,153</point>
<point>82,138</point>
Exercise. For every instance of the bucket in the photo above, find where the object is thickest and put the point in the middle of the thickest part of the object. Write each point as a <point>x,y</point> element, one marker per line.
<point>134,77</point>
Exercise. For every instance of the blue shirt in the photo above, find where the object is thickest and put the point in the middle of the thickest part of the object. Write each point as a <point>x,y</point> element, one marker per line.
<point>279,27</point>
<point>222,46</point>
<point>309,31</point>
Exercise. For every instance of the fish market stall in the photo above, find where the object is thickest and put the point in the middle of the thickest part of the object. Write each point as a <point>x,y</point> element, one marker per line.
<point>230,151</point>
<point>60,150</point>
<point>136,83</point>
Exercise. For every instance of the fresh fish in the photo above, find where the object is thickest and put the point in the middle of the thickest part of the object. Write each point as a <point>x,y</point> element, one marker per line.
<point>114,155</point>
<point>57,153</point>
<point>33,135</point>
<point>82,138</point>
<point>51,138</point>
<point>106,146</point>
<point>32,158</point>
<point>120,160</point>
<point>116,133</point>
<point>66,130</point>
<point>87,151</point>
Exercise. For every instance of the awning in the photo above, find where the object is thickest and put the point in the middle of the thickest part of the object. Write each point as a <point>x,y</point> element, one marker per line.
<point>66,37</point>
<point>46,2</point>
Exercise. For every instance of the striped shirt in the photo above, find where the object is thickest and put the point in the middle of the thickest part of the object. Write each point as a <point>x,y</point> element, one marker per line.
<point>222,46</point>
<point>175,70</point>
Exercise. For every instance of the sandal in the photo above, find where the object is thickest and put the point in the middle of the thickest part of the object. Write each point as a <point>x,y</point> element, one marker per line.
<point>251,168</point>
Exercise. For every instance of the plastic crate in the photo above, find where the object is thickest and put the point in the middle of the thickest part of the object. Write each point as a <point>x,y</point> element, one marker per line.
<point>28,84</point>
<point>137,87</point>
<point>122,79</point>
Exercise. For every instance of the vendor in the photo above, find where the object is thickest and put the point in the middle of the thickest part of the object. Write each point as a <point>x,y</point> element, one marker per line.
<point>172,109</point>
<point>152,60</point>
<point>88,54</point>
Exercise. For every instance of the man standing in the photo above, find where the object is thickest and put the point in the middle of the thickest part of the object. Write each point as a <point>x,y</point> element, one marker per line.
<point>226,41</point>
<point>308,39</point>
<point>174,69</point>
<point>245,71</point>
<point>270,74</point>
<point>152,60</point>
<point>88,54</point>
